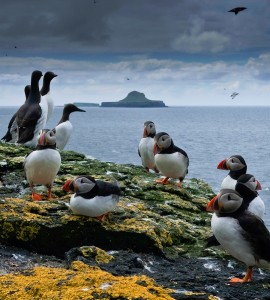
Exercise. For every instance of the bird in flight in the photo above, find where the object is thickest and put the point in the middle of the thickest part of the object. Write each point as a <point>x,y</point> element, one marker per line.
<point>236,10</point>
<point>233,95</point>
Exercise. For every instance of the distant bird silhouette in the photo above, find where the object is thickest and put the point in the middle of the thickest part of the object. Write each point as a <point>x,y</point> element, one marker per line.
<point>233,95</point>
<point>236,10</point>
<point>128,78</point>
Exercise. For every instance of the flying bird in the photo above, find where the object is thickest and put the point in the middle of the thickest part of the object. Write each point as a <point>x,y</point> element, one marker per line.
<point>236,10</point>
<point>234,94</point>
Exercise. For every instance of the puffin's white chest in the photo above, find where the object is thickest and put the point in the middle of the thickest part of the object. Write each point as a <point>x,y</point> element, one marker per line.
<point>257,207</point>
<point>94,207</point>
<point>228,183</point>
<point>172,165</point>
<point>63,132</point>
<point>41,166</point>
<point>230,236</point>
<point>146,146</point>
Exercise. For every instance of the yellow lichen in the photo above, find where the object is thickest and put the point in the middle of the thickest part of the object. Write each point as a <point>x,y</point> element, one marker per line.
<point>7,228</point>
<point>98,254</point>
<point>82,282</point>
<point>28,232</point>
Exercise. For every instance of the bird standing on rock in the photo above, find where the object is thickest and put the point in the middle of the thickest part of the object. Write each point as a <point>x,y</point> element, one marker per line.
<point>92,198</point>
<point>30,117</point>
<point>42,165</point>
<point>64,128</point>
<point>146,146</point>
<point>239,231</point>
<point>237,167</point>
<point>170,160</point>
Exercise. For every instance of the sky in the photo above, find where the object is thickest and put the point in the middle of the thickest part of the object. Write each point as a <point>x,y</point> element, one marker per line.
<point>184,52</point>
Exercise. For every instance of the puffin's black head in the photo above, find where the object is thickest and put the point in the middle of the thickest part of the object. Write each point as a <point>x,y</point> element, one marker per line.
<point>233,163</point>
<point>162,142</point>
<point>46,137</point>
<point>247,185</point>
<point>149,129</point>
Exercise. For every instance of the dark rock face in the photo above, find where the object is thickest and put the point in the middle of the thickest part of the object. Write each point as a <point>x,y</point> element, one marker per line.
<point>134,99</point>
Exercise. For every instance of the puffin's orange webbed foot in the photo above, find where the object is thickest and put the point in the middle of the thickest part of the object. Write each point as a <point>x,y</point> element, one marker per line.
<point>163,181</point>
<point>36,197</point>
<point>247,277</point>
<point>102,217</point>
<point>49,194</point>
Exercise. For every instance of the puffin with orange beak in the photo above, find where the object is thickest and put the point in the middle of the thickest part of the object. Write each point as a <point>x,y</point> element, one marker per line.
<point>92,198</point>
<point>171,161</point>
<point>239,231</point>
<point>248,185</point>
<point>42,165</point>
<point>146,146</point>
<point>237,167</point>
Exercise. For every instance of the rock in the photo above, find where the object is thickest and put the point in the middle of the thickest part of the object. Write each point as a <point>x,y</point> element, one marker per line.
<point>150,218</point>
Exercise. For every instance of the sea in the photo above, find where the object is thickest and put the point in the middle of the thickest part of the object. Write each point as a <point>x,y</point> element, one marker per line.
<point>207,134</point>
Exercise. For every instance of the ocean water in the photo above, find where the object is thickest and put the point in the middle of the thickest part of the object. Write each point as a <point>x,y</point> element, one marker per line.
<point>207,134</point>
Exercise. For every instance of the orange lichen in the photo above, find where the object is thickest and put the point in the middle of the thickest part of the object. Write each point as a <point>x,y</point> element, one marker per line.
<point>81,282</point>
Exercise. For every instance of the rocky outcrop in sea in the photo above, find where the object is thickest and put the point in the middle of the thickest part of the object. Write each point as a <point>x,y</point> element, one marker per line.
<point>151,247</point>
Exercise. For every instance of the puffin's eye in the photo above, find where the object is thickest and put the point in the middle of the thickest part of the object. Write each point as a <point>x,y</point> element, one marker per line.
<point>229,197</point>
<point>163,139</point>
<point>232,160</point>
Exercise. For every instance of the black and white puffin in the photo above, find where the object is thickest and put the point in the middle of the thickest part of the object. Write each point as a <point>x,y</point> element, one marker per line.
<point>64,127</point>
<point>30,118</point>
<point>42,165</point>
<point>45,92</point>
<point>146,146</point>
<point>170,160</point>
<point>11,134</point>
<point>239,231</point>
<point>92,198</point>
<point>248,185</point>
<point>237,166</point>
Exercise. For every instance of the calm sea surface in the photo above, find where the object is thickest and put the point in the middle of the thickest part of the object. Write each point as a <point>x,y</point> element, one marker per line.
<point>207,134</point>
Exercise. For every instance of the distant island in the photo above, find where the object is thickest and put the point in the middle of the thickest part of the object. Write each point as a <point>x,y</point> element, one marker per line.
<point>135,99</point>
<point>86,104</point>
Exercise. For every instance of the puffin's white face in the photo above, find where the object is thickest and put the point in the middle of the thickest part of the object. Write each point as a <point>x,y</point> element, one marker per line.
<point>234,164</point>
<point>150,129</point>
<point>46,137</point>
<point>228,201</point>
<point>83,185</point>
<point>253,184</point>
<point>164,141</point>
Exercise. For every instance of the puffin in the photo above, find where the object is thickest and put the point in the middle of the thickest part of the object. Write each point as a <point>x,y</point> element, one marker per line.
<point>240,232</point>
<point>237,167</point>
<point>246,184</point>
<point>171,161</point>
<point>30,118</point>
<point>64,127</point>
<point>146,146</point>
<point>11,134</point>
<point>46,99</point>
<point>42,165</point>
<point>92,198</point>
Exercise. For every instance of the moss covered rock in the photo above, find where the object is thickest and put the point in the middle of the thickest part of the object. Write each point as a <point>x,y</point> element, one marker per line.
<point>154,218</point>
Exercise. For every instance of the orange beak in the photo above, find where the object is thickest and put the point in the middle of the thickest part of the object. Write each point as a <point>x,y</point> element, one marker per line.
<point>222,165</point>
<point>65,187</point>
<point>210,205</point>
<point>259,186</point>
<point>155,149</point>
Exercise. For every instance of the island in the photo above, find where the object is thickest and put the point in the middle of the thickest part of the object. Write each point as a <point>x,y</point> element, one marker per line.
<point>135,99</point>
<point>86,104</point>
